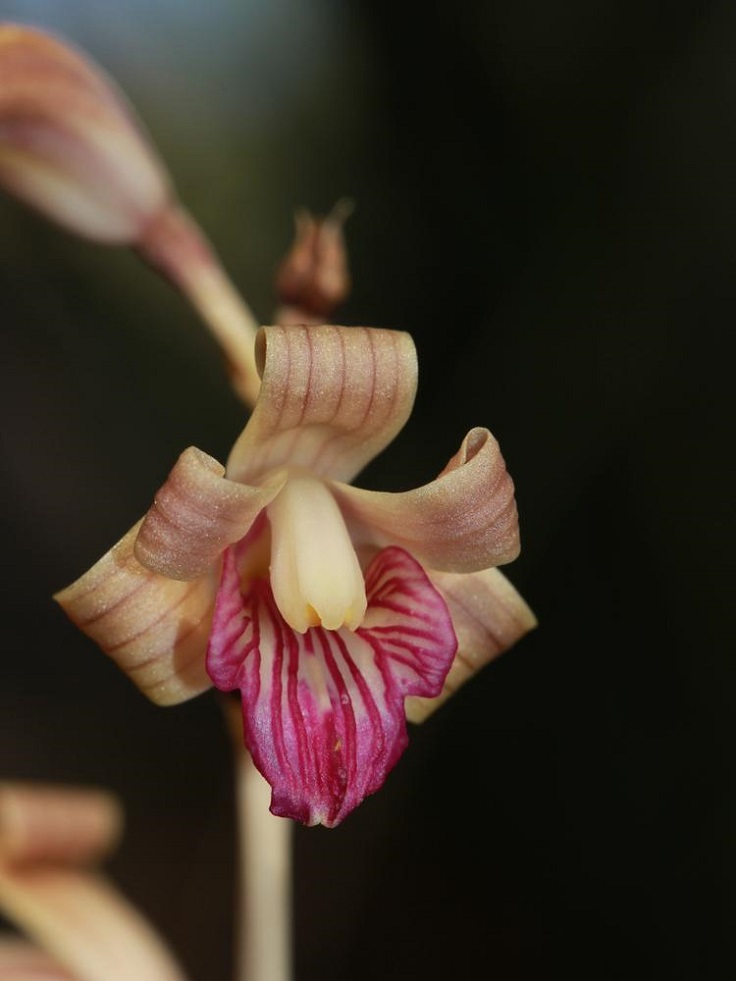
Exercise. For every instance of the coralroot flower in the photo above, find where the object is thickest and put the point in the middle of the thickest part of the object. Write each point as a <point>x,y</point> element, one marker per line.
<point>335,604</point>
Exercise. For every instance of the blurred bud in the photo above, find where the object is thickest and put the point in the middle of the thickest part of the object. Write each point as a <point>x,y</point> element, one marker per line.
<point>314,278</point>
<point>69,143</point>
<point>71,147</point>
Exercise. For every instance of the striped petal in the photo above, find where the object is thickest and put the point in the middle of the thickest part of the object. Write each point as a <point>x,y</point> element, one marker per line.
<point>197,514</point>
<point>323,711</point>
<point>489,617</point>
<point>154,628</point>
<point>331,399</point>
<point>463,521</point>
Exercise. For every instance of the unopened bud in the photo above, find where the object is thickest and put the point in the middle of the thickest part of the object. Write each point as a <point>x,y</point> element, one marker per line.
<point>70,145</point>
<point>313,279</point>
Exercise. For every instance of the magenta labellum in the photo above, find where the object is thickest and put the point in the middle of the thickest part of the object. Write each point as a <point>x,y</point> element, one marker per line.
<point>323,710</point>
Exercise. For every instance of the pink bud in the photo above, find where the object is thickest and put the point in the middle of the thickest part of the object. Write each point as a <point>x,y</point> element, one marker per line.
<point>314,279</point>
<point>70,145</point>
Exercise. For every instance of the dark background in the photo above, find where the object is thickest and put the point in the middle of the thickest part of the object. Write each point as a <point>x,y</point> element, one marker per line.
<point>545,199</point>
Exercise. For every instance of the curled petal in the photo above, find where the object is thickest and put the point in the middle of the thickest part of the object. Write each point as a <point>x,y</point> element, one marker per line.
<point>331,399</point>
<point>463,521</point>
<point>56,824</point>
<point>154,628</point>
<point>69,144</point>
<point>323,711</point>
<point>196,515</point>
<point>489,617</point>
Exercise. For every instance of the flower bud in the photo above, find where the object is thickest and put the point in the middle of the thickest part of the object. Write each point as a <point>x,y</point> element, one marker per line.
<point>70,145</point>
<point>313,279</point>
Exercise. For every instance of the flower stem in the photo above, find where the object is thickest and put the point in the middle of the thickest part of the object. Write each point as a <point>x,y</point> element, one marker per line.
<point>263,909</point>
<point>176,246</point>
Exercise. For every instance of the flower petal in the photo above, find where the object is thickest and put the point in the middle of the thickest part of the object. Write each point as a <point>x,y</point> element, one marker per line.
<point>197,514</point>
<point>323,711</point>
<point>69,144</point>
<point>154,628</point>
<point>489,617</point>
<point>463,521</point>
<point>331,399</point>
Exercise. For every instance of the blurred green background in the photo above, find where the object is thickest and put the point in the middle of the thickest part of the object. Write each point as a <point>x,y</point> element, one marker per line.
<point>545,199</point>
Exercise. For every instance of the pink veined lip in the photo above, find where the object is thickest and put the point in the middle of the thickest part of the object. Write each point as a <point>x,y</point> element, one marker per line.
<point>323,711</point>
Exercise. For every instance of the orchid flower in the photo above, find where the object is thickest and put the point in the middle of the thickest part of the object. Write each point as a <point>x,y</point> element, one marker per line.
<point>80,928</point>
<point>339,612</point>
<point>335,605</point>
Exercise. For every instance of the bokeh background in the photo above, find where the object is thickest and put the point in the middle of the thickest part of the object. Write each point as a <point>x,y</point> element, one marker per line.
<point>545,199</point>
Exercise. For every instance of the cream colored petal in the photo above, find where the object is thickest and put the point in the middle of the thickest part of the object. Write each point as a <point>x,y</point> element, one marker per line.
<point>197,514</point>
<point>154,628</point>
<point>331,399</point>
<point>69,144</point>
<point>463,521</point>
<point>47,823</point>
<point>489,617</point>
